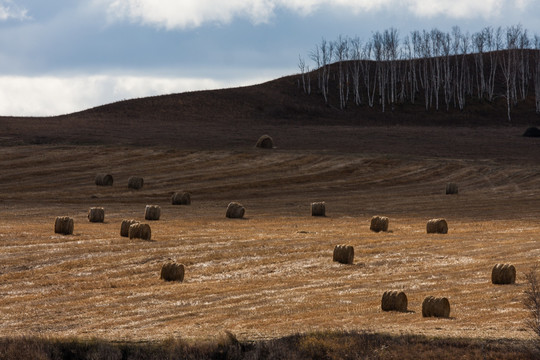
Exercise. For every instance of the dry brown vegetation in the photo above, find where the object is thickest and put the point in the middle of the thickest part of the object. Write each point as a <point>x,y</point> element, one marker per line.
<point>270,274</point>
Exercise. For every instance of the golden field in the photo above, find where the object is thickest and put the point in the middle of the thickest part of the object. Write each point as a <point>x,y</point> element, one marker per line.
<point>270,274</point>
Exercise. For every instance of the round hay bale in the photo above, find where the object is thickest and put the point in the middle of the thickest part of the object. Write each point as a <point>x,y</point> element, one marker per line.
<point>265,142</point>
<point>63,225</point>
<point>451,189</point>
<point>532,132</point>
<point>135,182</point>
<point>104,180</point>
<point>343,254</point>
<point>172,272</point>
<point>394,301</point>
<point>503,274</point>
<point>181,198</point>
<point>436,307</point>
<point>152,212</point>
<point>235,211</point>
<point>437,226</point>
<point>379,223</point>
<point>96,214</point>
<point>124,228</point>
<point>318,208</point>
<point>140,231</point>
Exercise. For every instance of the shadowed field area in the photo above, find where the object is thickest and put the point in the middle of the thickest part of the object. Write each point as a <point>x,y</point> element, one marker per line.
<point>271,274</point>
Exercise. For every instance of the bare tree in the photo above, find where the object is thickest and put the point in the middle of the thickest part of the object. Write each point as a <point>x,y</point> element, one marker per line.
<point>447,69</point>
<point>380,66</point>
<point>390,56</point>
<point>509,65</point>
<point>436,71</point>
<point>302,67</point>
<point>369,81</point>
<point>532,300</point>
<point>341,47</point>
<point>315,55</point>
<point>493,43</point>
<point>523,64</point>
<point>327,50</point>
<point>479,41</point>
<point>355,55</point>
<point>536,72</point>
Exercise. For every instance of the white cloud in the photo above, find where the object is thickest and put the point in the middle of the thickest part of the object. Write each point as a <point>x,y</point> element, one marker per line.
<point>193,13</point>
<point>458,9</point>
<point>10,10</point>
<point>172,14</point>
<point>48,95</point>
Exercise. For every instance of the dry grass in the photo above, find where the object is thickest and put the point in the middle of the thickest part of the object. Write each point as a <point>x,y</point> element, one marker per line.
<point>271,274</point>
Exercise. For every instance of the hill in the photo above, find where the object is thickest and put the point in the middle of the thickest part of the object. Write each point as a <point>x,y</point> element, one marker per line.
<point>231,117</point>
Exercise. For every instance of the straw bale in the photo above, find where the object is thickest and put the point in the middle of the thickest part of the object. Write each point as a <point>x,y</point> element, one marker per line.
<point>172,272</point>
<point>394,301</point>
<point>532,132</point>
<point>63,225</point>
<point>318,208</point>
<point>379,223</point>
<point>265,142</point>
<point>343,254</point>
<point>235,210</point>
<point>181,198</point>
<point>104,180</point>
<point>152,212</point>
<point>140,231</point>
<point>451,189</point>
<point>135,182</point>
<point>437,226</point>
<point>124,228</point>
<point>503,274</point>
<point>436,307</point>
<point>96,214</point>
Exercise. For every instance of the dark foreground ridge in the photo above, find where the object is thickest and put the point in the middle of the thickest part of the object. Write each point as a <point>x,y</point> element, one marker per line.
<point>326,345</point>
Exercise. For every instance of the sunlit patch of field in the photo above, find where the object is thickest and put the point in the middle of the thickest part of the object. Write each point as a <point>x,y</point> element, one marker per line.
<point>270,274</point>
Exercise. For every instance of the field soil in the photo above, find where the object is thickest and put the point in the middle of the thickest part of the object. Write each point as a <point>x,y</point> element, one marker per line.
<point>270,274</point>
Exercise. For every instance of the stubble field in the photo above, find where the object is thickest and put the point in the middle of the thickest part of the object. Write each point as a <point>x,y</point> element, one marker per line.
<point>270,274</point>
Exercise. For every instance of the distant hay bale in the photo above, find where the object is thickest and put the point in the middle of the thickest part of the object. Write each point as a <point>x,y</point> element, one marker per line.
<point>104,180</point>
<point>379,223</point>
<point>437,307</point>
<point>172,272</point>
<point>135,182</point>
<point>394,301</point>
<point>235,211</point>
<point>318,208</point>
<point>437,226</point>
<point>265,142</point>
<point>96,214</point>
<point>152,212</point>
<point>532,132</point>
<point>451,189</point>
<point>181,198</point>
<point>124,228</point>
<point>343,254</point>
<point>140,231</point>
<point>63,225</point>
<point>503,274</point>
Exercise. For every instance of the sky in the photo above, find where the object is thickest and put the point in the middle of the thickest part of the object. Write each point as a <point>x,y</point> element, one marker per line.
<point>63,56</point>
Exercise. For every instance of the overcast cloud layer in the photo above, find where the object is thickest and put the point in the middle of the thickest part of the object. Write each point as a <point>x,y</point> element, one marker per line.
<point>61,56</point>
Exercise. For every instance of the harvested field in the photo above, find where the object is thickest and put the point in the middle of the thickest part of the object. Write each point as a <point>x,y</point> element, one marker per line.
<point>270,274</point>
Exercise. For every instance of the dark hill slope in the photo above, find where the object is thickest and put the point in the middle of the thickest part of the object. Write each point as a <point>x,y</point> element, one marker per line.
<point>236,117</point>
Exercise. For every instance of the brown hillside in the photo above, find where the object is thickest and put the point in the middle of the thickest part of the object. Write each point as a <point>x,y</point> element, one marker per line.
<point>232,118</point>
